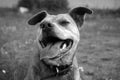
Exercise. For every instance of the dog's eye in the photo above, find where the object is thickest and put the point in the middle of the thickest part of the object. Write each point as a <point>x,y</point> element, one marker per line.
<point>63,23</point>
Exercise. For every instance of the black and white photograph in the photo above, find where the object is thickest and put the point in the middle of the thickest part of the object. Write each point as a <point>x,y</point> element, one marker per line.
<point>59,39</point>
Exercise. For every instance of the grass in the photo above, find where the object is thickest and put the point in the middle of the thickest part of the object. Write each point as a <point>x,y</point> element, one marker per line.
<point>98,51</point>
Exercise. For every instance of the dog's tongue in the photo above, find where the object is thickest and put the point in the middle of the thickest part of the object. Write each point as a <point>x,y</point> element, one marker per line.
<point>51,51</point>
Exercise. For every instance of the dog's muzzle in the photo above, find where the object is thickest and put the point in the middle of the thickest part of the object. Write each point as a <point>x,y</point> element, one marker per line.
<point>51,42</point>
<point>62,45</point>
<point>54,49</point>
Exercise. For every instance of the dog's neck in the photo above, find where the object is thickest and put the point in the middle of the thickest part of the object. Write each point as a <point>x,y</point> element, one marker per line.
<point>40,73</point>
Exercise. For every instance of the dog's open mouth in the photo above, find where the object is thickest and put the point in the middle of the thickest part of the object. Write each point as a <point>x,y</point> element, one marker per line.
<point>62,45</point>
<point>54,49</point>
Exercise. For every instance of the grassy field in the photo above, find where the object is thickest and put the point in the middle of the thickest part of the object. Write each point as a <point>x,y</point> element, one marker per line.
<point>98,51</point>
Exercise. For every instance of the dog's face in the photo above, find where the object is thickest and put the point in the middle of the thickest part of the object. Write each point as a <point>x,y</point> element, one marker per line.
<point>58,36</point>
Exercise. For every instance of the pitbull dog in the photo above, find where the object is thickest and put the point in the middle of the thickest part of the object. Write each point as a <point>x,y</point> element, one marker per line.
<point>57,39</point>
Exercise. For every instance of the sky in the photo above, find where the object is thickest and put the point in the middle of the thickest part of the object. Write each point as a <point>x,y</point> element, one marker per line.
<point>75,3</point>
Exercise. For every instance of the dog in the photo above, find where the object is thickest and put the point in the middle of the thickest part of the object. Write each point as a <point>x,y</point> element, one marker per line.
<point>57,39</point>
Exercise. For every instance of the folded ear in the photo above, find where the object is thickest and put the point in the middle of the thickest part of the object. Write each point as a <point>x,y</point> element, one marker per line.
<point>78,14</point>
<point>37,18</point>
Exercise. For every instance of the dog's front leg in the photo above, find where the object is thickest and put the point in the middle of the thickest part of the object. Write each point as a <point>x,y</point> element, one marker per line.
<point>76,70</point>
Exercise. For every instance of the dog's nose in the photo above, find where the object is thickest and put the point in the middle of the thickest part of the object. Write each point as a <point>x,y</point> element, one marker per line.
<point>46,25</point>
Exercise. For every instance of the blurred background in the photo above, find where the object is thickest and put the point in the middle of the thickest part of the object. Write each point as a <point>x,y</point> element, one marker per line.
<point>98,52</point>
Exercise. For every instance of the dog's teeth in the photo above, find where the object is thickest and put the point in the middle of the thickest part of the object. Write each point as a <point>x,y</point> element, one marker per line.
<point>64,46</point>
<point>57,70</point>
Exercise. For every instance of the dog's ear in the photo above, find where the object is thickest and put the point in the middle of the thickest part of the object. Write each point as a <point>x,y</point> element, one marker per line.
<point>78,14</point>
<point>37,18</point>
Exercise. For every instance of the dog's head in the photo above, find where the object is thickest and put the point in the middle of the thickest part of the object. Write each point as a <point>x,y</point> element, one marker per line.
<point>58,36</point>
